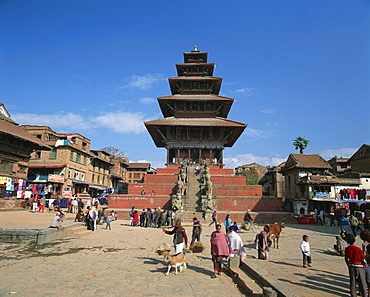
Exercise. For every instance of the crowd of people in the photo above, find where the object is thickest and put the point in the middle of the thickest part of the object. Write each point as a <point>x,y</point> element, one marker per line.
<point>91,217</point>
<point>149,218</point>
<point>38,203</point>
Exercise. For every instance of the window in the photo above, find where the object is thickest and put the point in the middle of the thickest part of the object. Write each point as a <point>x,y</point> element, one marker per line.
<point>77,175</point>
<point>38,154</point>
<point>53,154</point>
<point>69,173</point>
<point>39,136</point>
<point>78,158</point>
<point>83,176</point>
<point>71,156</point>
<point>84,160</point>
<point>93,178</point>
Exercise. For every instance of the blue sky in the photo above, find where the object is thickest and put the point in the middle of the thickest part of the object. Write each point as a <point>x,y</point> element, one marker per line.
<point>294,68</point>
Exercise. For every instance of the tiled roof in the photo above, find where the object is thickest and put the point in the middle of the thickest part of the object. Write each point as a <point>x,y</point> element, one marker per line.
<point>138,165</point>
<point>309,161</point>
<point>172,121</point>
<point>196,97</point>
<point>8,126</point>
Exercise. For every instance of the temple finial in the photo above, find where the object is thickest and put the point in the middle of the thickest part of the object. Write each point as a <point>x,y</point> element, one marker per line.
<point>195,49</point>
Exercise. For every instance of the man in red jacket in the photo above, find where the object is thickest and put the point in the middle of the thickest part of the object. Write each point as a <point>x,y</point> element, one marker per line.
<point>355,260</point>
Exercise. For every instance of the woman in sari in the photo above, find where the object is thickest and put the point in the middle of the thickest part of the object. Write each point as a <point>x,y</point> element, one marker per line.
<point>219,249</point>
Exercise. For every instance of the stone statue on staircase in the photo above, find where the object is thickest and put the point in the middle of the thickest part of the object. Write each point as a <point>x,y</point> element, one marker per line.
<point>177,202</point>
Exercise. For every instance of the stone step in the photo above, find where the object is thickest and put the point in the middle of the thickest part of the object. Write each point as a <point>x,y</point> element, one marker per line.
<point>246,283</point>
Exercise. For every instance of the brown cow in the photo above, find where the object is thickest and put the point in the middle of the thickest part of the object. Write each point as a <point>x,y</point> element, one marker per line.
<point>274,233</point>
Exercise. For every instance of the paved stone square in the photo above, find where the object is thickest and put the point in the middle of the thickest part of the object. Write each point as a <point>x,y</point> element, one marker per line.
<point>117,262</point>
<point>123,262</point>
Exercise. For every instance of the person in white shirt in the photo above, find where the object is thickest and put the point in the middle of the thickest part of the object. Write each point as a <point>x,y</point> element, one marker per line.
<point>57,221</point>
<point>306,253</point>
<point>235,242</point>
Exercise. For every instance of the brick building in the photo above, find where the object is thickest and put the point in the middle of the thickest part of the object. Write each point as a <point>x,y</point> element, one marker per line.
<point>360,160</point>
<point>99,173</point>
<point>135,172</point>
<point>276,181</point>
<point>339,165</point>
<point>70,168</point>
<point>16,145</point>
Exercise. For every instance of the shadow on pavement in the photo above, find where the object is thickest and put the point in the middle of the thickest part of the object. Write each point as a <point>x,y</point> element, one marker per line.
<point>321,284</point>
<point>152,261</point>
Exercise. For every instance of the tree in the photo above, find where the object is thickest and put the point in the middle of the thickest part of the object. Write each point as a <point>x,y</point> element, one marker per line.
<point>251,176</point>
<point>300,143</point>
<point>115,152</point>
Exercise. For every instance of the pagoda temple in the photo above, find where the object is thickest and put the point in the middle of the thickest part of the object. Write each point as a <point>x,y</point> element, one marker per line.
<point>195,130</point>
<point>195,125</point>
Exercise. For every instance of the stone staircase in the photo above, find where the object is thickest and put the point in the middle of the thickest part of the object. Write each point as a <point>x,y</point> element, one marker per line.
<point>192,202</point>
<point>192,206</point>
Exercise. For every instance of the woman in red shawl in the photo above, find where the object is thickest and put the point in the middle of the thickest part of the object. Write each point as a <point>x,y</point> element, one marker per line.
<point>219,249</point>
<point>136,218</point>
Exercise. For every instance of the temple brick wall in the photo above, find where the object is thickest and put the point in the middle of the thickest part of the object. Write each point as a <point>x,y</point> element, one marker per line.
<point>236,190</point>
<point>160,178</point>
<point>219,171</point>
<point>228,180</point>
<point>225,203</point>
<point>138,201</point>
<point>273,204</point>
<point>159,189</point>
<point>169,170</point>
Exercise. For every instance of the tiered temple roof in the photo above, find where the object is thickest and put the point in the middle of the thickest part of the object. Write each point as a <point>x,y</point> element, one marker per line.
<point>195,124</point>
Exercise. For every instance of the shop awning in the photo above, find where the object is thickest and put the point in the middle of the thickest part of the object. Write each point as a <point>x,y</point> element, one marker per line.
<point>324,199</point>
<point>353,200</point>
<point>47,165</point>
<point>98,188</point>
<point>82,183</point>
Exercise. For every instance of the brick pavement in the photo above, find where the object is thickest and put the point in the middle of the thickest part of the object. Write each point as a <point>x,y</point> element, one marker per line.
<point>122,261</point>
<point>117,262</point>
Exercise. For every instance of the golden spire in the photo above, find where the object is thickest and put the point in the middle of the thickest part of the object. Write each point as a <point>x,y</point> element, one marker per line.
<point>195,49</point>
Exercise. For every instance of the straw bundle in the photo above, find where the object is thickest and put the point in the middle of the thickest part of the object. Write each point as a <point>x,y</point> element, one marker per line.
<point>197,247</point>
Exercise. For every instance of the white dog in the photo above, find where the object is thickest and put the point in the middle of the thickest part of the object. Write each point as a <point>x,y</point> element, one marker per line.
<point>176,261</point>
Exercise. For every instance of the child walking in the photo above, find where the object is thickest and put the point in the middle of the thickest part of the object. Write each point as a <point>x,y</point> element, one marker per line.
<point>306,253</point>
<point>108,221</point>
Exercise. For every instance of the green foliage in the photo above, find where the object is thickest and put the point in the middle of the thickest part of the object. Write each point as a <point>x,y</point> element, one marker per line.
<point>251,177</point>
<point>300,143</point>
<point>265,188</point>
